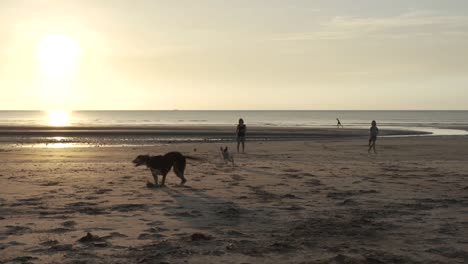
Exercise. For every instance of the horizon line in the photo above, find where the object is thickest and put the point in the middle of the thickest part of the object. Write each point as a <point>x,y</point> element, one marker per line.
<point>173,110</point>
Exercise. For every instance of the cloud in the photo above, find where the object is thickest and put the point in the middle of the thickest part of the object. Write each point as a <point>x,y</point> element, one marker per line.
<point>410,24</point>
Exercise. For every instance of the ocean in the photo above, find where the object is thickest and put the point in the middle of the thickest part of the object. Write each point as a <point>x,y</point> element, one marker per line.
<point>433,119</point>
<point>432,122</point>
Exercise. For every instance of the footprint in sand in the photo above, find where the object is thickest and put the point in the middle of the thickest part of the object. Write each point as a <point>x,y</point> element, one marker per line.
<point>294,208</point>
<point>292,176</point>
<point>115,235</point>
<point>17,230</point>
<point>290,196</point>
<point>22,259</point>
<point>11,244</point>
<point>28,201</point>
<point>449,252</point>
<point>59,230</point>
<point>313,182</point>
<point>86,208</point>
<point>193,213</point>
<point>155,223</point>
<point>102,191</point>
<point>237,177</point>
<point>291,170</point>
<point>129,207</point>
<point>234,233</point>
<point>152,233</point>
<point>156,230</point>
<point>69,223</point>
<point>229,212</point>
<point>347,202</point>
<point>50,183</point>
<point>147,236</point>
<point>52,247</point>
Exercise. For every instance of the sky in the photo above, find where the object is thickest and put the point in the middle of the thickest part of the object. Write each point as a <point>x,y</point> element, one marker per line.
<point>239,54</point>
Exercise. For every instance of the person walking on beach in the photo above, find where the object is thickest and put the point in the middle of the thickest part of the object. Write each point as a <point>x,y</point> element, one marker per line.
<point>338,124</point>
<point>240,131</point>
<point>374,131</point>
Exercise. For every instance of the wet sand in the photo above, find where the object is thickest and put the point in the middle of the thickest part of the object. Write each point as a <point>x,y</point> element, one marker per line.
<point>326,201</point>
<point>198,131</point>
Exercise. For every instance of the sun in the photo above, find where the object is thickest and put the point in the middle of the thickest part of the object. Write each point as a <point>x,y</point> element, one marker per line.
<point>58,118</point>
<point>58,55</point>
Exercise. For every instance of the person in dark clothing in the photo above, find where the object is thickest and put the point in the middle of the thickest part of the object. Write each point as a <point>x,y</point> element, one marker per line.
<point>374,131</point>
<point>240,132</point>
<point>338,124</point>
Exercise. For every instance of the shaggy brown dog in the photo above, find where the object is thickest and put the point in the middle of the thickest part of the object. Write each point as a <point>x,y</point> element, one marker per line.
<point>161,165</point>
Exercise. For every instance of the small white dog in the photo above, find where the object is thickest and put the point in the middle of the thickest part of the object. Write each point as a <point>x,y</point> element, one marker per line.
<point>227,157</point>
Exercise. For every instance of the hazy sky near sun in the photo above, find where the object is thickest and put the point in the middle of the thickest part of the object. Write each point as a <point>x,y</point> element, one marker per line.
<point>239,54</point>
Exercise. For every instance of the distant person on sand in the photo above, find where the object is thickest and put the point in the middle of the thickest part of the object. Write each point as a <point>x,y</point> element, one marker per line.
<point>338,124</point>
<point>240,131</point>
<point>374,131</point>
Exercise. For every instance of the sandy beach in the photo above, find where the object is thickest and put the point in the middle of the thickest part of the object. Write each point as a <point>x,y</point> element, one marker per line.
<point>325,201</point>
<point>94,93</point>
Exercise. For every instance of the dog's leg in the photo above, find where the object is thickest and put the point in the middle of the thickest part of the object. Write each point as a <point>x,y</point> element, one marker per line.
<point>179,172</point>
<point>163,182</point>
<point>155,176</point>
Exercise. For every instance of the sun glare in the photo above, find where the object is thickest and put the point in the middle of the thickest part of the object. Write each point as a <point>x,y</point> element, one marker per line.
<point>58,55</point>
<point>58,118</point>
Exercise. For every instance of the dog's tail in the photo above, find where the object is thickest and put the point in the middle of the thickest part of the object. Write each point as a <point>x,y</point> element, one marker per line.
<point>192,158</point>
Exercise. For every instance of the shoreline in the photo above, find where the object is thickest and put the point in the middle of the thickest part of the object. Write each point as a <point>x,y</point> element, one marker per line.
<point>138,136</point>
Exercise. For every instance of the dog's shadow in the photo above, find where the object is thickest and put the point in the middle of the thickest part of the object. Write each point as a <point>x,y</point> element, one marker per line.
<point>201,210</point>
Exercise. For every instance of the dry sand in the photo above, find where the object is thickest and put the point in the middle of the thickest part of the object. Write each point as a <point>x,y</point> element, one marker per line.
<point>324,201</point>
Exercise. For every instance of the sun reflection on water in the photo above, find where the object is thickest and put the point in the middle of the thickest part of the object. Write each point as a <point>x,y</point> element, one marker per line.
<point>58,118</point>
<point>59,145</point>
<point>59,142</point>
